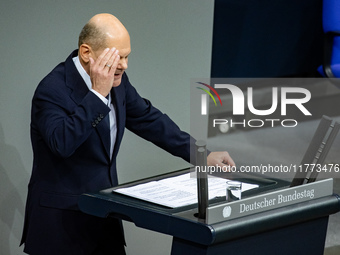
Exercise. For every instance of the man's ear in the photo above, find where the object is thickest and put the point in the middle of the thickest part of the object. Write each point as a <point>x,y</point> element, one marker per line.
<point>85,52</point>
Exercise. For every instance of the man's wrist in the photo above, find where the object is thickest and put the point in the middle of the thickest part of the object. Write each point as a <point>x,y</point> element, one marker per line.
<point>104,99</point>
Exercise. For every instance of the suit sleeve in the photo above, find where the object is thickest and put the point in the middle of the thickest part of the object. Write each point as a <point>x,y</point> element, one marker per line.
<point>151,124</point>
<point>61,122</point>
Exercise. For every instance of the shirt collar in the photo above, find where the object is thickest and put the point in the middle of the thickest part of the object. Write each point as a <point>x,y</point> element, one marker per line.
<point>82,72</point>
<point>87,80</point>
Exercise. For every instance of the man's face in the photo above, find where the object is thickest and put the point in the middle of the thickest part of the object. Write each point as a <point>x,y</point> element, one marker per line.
<point>122,44</point>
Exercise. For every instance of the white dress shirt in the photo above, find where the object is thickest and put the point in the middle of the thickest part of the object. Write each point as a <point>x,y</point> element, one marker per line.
<point>112,113</point>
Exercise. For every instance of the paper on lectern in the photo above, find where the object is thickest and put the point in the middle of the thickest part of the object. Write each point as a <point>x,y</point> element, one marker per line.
<point>177,191</point>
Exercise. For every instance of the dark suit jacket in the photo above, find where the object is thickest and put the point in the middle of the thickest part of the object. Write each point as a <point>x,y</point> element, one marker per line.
<point>71,156</point>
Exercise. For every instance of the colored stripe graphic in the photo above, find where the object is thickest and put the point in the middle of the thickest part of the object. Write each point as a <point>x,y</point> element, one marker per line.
<point>211,88</point>
<point>208,92</point>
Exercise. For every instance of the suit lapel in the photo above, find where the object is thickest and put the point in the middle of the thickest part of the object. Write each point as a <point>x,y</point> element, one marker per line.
<point>79,89</point>
<point>74,81</point>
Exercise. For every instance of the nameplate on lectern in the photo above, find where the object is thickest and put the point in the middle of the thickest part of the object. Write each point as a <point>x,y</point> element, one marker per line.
<point>268,201</point>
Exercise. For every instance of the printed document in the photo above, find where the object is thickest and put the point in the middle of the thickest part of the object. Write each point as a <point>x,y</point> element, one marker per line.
<point>178,191</point>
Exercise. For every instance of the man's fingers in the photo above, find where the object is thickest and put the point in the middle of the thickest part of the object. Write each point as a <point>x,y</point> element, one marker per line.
<point>220,158</point>
<point>100,60</point>
<point>112,61</point>
<point>105,60</point>
<point>114,64</point>
<point>229,161</point>
<point>102,70</point>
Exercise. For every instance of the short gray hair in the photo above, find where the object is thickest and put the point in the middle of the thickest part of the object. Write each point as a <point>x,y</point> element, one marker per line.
<point>93,36</point>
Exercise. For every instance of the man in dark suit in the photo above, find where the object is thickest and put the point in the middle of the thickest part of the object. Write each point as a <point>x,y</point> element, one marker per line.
<point>79,113</point>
